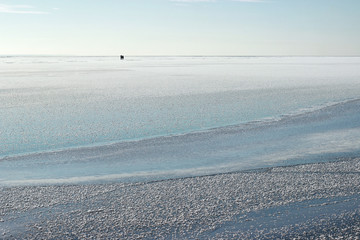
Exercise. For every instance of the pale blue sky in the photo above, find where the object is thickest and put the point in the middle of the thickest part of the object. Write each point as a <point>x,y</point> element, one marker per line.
<point>180,27</point>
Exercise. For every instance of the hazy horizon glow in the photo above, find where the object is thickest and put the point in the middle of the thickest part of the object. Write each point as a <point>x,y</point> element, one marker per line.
<point>180,27</point>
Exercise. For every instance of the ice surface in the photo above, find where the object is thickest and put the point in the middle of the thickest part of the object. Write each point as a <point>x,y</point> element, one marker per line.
<point>322,135</point>
<point>314,201</point>
<point>120,126</point>
<point>78,119</point>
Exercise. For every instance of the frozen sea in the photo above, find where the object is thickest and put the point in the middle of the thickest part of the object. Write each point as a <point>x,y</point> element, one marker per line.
<point>69,120</point>
<point>179,148</point>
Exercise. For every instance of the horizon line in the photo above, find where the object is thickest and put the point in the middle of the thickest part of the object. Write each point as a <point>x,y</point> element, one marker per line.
<point>175,55</point>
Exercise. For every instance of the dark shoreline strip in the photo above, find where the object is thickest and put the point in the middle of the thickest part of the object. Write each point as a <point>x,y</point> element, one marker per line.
<point>243,205</point>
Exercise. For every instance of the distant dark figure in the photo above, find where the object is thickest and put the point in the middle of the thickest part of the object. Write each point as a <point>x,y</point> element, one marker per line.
<point>121,57</point>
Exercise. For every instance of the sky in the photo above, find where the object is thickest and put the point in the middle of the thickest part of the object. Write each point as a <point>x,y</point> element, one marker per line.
<point>180,27</point>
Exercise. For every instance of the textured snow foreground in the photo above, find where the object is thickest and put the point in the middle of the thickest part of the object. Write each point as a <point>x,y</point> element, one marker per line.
<point>320,201</point>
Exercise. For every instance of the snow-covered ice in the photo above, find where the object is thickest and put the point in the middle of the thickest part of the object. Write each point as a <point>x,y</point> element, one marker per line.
<point>179,147</point>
